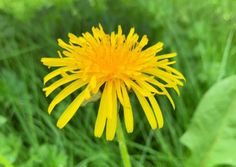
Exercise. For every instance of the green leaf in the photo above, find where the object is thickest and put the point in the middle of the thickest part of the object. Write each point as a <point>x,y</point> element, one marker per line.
<point>211,136</point>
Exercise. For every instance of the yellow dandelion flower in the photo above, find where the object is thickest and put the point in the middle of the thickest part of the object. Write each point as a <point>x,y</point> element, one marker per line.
<point>114,64</point>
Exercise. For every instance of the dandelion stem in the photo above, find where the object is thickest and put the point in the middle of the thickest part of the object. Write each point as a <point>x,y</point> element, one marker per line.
<point>122,145</point>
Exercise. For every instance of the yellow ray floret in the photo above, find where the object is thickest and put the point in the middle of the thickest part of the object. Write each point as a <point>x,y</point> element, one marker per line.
<point>112,65</point>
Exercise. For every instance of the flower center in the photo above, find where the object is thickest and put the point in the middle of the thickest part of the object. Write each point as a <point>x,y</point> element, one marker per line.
<point>112,66</point>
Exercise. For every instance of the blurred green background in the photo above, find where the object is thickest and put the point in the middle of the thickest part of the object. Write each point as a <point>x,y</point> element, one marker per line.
<point>201,132</point>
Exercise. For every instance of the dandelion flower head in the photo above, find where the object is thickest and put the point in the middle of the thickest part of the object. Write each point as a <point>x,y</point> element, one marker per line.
<point>115,65</point>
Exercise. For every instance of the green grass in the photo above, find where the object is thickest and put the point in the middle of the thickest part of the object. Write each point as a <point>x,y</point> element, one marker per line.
<point>201,32</point>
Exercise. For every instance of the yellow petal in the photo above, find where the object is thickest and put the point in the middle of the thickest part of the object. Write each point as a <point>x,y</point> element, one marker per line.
<point>176,72</point>
<point>100,26</point>
<point>143,42</point>
<point>87,94</point>
<point>76,40</point>
<point>170,76</point>
<point>112,121</point>
<point>109,102</point>
<point>120,38</point>
<point>126,81</point>
<point>93,82</point>
<point>102,115</point>
<point>164,91</point>
<point>90,40</point>
<point>55,73</point>
<point>147,109</point>
<point>142,91</point>
<point>98,85</point>
<point>131,32</point>
<point>65,92</point>
<point>176,90</point>
<point>70,111</point>
<point>164,64</point>
<point>59,83</point>
<point>166,77</point>
<point>157,111</point>
<point>169,97</point>
<point>119,30</point>
<point>113,40</point>
<point>90,88</point>
<point>166,56</point>
<point>163,86</point>
<point>64,45</point>
<point>118,91</point>
<point>147,86</point>
<point>157,83</point>
<point>153,49</point>
<point>96,33</point>
<point>58,62</point>
<point>93,98</point>
<point>128,114</point>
